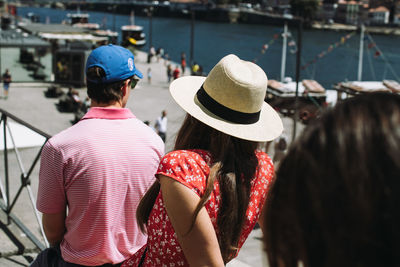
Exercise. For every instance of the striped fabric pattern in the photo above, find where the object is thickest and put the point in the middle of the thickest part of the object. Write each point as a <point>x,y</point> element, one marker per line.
<point>100,168</point>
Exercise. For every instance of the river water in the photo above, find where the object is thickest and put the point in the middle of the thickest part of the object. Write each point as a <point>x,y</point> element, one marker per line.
<point>332,58</point>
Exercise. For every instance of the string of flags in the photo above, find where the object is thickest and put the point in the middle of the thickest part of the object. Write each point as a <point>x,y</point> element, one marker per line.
<point>267,45</point>
<point>291,43</point>
<point>330,48</point>
<point>293,47</point>
<point>371,45</point>
<point>379,53</point>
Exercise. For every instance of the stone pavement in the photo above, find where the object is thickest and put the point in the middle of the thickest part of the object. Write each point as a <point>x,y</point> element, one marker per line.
<point>27,102</point>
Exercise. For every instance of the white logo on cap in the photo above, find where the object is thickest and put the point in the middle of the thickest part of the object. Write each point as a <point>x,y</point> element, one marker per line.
<point>130,64</point>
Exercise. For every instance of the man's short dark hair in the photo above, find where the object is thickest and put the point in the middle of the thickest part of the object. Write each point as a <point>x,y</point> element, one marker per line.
<point>102,92</point>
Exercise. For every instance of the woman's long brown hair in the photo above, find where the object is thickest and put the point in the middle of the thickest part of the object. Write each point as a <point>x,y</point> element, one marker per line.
<point>234,166</point>
<point>335,200</point>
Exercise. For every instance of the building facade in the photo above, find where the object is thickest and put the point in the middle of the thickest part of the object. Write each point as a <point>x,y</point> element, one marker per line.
<point>378,16</point>
<point>351,12</point>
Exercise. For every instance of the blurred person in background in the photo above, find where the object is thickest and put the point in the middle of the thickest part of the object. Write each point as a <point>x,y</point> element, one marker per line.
<point>336,197</point>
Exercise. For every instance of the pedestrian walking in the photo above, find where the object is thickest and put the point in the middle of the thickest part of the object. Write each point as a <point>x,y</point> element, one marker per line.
<point>6,83</point>
<point>183,63</point>
<point>159,53</point>
<point>149,75</point>
<point>161,125</point>
<point>152,53</point>
<point>169,72</point>
<point>166,59</point>
<point>176,72</point>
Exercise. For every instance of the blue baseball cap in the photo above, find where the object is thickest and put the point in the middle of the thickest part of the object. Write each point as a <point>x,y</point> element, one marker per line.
<point>116,61</point>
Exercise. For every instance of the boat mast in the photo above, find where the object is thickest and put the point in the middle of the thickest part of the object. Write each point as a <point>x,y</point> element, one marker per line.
<point>361,53</point>
<point>284,45</point>
<point>132,17</point>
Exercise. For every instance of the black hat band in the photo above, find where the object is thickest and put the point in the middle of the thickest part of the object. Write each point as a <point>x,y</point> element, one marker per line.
<point>224,112</point>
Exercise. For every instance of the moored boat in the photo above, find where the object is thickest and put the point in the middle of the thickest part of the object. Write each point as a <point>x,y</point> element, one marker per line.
<point>133,35</point>
<point>360,87</point>
<point>311,98</point>
<point>81,20</point>
<point>78,17</point>
<point>111,35</point>
<point>351,88</point>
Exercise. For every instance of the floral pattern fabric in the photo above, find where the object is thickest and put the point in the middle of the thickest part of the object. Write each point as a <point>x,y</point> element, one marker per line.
<point>191,168</point>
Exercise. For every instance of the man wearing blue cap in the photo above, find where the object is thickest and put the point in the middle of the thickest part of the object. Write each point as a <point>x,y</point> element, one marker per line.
<point>98,170</point>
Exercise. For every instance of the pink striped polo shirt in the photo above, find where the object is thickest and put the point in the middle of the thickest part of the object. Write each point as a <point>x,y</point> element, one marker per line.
<point>100,168</point>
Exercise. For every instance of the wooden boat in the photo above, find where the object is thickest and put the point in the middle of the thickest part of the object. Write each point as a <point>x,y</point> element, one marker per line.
<point>360,87</point>
<point>311,95</point>
<point>282,96</point>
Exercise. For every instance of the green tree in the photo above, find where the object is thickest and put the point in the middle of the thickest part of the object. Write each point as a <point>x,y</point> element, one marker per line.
<point>307,9</point>
<point>221,2</point>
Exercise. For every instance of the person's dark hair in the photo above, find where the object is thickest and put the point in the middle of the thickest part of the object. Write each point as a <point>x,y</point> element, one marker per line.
<point>235,165</point>
<point>103,92</point>
<point>336,197</point>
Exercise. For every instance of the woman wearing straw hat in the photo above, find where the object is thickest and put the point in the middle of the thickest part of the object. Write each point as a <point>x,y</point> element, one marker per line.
<point>211,189</point>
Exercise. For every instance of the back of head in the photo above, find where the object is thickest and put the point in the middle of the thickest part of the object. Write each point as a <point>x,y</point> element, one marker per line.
<point>337,192</point>
<point>107,67</point>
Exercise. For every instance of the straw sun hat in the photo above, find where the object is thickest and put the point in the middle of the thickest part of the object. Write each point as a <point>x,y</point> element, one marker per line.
<point>230,99</point>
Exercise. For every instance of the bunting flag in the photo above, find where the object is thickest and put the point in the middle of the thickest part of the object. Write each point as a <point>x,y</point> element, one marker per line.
<point>265,47</point>
<point>373,45</point>
<point>379,53</point>
<point>330,48</point>
<point>291,43</point>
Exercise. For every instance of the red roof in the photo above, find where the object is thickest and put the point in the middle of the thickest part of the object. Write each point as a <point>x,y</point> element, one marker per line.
<point>379,9</point>
<point>343,2</point>
<point>185,1</point>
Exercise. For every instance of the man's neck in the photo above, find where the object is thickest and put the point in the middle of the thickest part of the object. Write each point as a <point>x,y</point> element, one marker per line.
<point>115,104</point>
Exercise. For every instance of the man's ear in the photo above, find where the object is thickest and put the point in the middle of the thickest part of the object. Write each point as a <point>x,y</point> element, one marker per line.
<point>125,87</point>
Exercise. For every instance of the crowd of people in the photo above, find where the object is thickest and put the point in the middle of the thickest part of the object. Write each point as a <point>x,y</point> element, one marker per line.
<point>173,70</point>
<point>111,196</point>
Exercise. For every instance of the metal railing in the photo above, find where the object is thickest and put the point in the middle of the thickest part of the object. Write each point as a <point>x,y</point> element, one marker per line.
<point>7,202</point>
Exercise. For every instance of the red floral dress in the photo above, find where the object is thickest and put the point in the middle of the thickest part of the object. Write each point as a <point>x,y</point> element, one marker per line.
<point>191,168</point>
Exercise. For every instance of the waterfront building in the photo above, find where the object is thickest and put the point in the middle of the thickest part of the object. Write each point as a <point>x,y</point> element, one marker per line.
<point>397,19</point>
<point>378,16</point>
<point>351,12</point>
<point>396,15</point>
<point>327,11</point>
